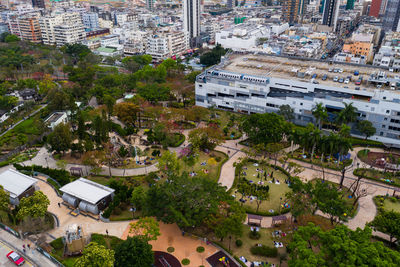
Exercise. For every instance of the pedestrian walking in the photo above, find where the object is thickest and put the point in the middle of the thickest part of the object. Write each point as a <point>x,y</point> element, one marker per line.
<point>29,246</point>
<point>23,246</point>
<point>106,231</point>
<point>24,250</point>
<point>59,205</point>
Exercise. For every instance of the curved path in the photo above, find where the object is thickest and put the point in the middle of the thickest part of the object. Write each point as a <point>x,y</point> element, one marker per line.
<point>366,208</point>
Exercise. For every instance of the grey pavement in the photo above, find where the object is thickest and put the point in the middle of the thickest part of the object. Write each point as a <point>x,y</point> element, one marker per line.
<point>9,242</point>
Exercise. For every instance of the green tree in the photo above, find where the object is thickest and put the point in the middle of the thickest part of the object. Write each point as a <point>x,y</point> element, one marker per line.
<point>145,227</point>
<point>34,206</point>
<point>61,138</point>
<point>154,92</point>
<point>213,57</point>
<point>58,100</point>
<point>287,112</point>
<point>206,137</point>
<point>11,38</point>
<point>347,115</point>
<point>191,77</point>
<point>344,131</point>
<point>338,247</point>
<point>76,51</point>
<point>169,164</point>
<point>265,128</point>
<point>138,196</point>
<point>388,222</point>
<point>366,128</point>
<point>134,252</point>
<point>4,199</point>
<point>320,114</point>
<point>109,101</point>
<point>330,201</point>
<point>127,112</point>
<point>95,255</point>
<point>185,200</point>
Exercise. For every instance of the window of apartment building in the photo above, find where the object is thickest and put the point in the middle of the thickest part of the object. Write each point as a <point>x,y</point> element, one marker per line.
<point>381,133</point>
<point>387,111</point>
<point>383,126</point>
<point>385,119</point>
<point>301,104</point>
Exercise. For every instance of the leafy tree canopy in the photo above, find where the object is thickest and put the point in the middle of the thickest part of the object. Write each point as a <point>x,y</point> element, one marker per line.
<point>134,252</point>
<point>34,206</point>
<point>95,255</point>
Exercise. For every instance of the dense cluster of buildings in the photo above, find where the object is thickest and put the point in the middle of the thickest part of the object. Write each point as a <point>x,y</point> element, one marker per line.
<point>313,29</point>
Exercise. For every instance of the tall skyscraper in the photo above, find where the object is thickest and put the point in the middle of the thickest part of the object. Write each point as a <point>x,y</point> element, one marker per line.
<point>350,5</point>
<point>392,16</point>
<point>38,3</point>
<point>331,12</point>
<point>375,8</point>
<point>290,8</point>
<point>150,4</point>
<point>191,19</point>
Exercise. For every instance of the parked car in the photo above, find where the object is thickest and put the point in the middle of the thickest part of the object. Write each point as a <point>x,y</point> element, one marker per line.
<point>315,82</point>
<point>358,82</point>
<point>347,81</point>
<point>340,70</point>
<point>314,76</point>
<point>335,70</point>
<point>335,79</point>
<point>15,258</point>
<point>324,77</point>
<point>341,80</point>
<point>356,73</point>
<point>330,70</point>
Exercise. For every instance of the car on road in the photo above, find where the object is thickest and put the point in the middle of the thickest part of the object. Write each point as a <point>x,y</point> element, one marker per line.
<point>15,258</point>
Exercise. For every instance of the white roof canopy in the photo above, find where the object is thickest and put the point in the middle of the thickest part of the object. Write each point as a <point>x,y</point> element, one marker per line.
<point>87,190</point>
<point>15,182</point>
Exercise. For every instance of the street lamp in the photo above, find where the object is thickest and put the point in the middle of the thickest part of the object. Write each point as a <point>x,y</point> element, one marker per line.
<point>47,162</point>
<point>280,203</point>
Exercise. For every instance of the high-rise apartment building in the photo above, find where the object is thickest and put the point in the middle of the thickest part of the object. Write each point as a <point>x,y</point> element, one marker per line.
<point>66,28</point>
<point>38,3</point>
<point>90,20</point>
<point>25,26</point>
<point>150,4</point>
<point>290,9</point>
<point>47,25</point>
<point>392,16</point>
<point>330,13</point>
<point>191,20</point>
<point>350,5</point>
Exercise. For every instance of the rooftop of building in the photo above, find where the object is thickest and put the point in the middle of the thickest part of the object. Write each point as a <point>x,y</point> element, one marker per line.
<point>265,65</point>
<point>54,117</point>
<point>87,190</point>
<point>15,182</point>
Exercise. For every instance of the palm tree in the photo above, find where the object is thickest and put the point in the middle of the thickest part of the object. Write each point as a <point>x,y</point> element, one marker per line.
<point>320,114</point>
<point>347,115</point>
<point>315,137</point>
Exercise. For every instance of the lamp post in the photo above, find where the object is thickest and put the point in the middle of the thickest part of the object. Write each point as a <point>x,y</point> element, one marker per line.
<point>280,203</point>
<point>47,162</point>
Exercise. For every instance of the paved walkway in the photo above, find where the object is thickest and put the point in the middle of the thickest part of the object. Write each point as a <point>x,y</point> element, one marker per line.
<point>31,255</point>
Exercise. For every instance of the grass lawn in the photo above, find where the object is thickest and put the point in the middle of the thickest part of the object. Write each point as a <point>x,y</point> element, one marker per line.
<point>23,133</point>
<point>276,191</point>
<point>205,165</point>
<point>390,204</point>
<point>266,239</point>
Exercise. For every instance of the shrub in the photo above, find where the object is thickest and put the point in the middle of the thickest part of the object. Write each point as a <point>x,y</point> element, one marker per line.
<point>61,176</point>
<point>264,251</point>
<point>218,159</point>
<point>393,199</point>
<point>239,243</point>
<point>107,213</point>
<point>254,235</point>
<point>200,249</point>
<point>185,261</point>
<point>57,243</point>
<point>170,249</point>
<point>99,239</point>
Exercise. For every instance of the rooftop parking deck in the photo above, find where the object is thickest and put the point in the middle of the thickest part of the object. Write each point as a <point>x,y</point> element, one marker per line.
<point>305,70</point>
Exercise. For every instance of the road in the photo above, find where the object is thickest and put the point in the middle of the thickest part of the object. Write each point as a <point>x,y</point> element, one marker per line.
<point>30,115</point>
<point>4,261</point>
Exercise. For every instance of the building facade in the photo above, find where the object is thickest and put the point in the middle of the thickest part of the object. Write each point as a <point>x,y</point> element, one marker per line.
<point>26,27</point>
<point>248,93</point>
<point>90,20</point>
<point>38,4</point>
<point>290,9</point>
<point>330,13</point>
<point>375,8</point>
<point>392,16</point>
<point>191,19</point>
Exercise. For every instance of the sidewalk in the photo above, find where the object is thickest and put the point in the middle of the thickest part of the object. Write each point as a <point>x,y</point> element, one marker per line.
<point>31,254</point>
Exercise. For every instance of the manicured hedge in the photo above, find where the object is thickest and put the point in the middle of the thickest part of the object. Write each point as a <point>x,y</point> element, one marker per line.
<point>362,142</point>
<point>178,140</point>
<point>264,251</point>
<point>61,176</point>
